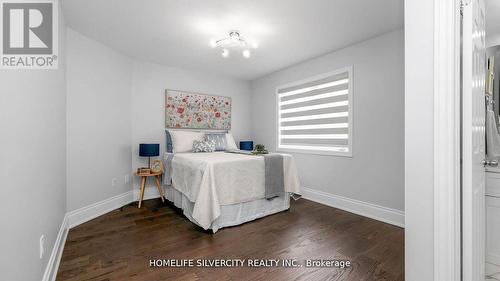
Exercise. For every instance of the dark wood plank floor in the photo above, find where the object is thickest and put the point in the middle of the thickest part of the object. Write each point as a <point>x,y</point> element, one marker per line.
<point>119,245</point>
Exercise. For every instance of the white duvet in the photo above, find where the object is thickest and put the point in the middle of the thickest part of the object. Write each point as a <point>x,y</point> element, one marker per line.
<point>210,180</point>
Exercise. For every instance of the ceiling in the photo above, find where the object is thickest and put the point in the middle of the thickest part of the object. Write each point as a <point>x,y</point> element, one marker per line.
<point>177,32</point>
<point>492,17</point>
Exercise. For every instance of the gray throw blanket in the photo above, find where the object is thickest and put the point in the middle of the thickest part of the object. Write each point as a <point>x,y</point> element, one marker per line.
<point>167,163</point>
<point>274,175</point>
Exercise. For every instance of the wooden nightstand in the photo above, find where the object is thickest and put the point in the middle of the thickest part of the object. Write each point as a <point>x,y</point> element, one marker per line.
<point>144,177</point>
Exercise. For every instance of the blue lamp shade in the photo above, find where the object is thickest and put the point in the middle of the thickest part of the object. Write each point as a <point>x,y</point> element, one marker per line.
<point>246,145</point>
<point>149,149</point>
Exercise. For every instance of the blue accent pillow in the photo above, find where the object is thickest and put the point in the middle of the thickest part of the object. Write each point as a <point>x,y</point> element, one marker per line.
<point>169,142</point>
<point>219,139</point>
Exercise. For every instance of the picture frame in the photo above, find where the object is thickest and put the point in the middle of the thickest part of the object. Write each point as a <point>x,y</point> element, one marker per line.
<point>144,170</point>
<point>157,166</point>
<point>189,110</point>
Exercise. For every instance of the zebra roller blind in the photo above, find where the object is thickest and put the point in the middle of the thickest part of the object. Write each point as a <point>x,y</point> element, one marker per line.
<point>314,115</point>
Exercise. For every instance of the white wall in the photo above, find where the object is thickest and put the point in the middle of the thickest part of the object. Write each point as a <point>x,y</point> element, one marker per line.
<point>32,165</point>
<point>375,173</point>
<point>419,140</point>
<point>148,100</point>
<point>98,121</point>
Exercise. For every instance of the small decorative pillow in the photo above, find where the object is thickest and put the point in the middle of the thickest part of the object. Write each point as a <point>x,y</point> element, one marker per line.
<point>203,146</point>
<point>219,139</point>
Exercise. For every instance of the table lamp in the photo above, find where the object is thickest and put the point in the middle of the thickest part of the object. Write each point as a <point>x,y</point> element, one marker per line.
<point>246,145</point>
<point>149,150</point>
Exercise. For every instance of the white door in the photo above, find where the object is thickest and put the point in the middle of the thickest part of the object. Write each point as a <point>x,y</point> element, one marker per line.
<point>473,134</point>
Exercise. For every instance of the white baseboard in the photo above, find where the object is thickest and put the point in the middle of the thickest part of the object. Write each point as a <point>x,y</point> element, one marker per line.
<point>381,213</point>
<point>56,254</point>
<point>89,212</point>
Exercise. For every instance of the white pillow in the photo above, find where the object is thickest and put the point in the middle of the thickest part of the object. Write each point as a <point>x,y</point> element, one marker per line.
<point>182,141</point>
<point>231,144</point>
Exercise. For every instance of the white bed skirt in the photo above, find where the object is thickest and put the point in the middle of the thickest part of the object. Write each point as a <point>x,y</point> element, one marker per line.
<point>234,214</point>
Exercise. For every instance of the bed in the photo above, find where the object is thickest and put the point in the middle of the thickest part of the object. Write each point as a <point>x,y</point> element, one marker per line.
<point>221,189</point>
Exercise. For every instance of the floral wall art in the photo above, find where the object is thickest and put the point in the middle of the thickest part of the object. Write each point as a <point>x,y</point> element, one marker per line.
<point>197,111</point>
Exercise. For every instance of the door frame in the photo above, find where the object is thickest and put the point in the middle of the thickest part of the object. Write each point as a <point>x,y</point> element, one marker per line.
<point>447,140</point>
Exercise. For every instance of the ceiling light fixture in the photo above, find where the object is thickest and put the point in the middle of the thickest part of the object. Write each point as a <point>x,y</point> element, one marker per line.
<point>233,40</point>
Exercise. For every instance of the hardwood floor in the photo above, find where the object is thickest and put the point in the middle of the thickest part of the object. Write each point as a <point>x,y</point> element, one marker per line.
<point>119,245</point>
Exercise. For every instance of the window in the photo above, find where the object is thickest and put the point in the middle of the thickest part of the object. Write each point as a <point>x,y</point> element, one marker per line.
<point>315,115</point>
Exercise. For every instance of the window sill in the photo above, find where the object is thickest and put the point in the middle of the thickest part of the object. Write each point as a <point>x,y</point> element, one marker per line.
<point>316,152</point>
